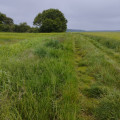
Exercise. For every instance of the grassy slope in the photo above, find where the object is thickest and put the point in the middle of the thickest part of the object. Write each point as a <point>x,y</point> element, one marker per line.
<point>69,76</point>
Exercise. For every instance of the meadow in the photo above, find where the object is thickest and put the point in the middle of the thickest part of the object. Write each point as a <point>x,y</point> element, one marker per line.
<point>60,76</point>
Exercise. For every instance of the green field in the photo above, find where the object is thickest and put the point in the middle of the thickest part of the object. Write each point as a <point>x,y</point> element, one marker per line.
<point>60,76</point>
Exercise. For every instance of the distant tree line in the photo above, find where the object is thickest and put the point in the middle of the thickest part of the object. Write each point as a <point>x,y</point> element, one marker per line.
<point>51,20</point>
<point>7,25</point>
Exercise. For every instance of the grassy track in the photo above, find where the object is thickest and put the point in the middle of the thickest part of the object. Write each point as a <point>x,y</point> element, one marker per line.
<point>67,76</point>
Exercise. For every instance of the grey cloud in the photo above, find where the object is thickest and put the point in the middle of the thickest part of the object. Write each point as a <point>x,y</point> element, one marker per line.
<point>81,14</point>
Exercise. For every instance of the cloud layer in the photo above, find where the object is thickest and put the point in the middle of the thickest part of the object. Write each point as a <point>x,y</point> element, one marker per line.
<point>81,14</point>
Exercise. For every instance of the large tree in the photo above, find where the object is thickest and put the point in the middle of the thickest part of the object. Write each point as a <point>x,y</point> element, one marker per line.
<point>51,20</point>
<point>5,20</point>
<point>6,23</point>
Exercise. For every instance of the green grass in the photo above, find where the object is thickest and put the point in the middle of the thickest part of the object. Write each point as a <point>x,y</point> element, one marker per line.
<point>59,76</point>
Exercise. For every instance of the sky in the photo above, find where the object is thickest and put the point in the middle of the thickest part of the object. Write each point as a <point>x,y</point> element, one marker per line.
<point>81,14</point>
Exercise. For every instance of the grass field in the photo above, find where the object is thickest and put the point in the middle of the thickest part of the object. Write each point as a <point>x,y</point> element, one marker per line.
<point>60,76</point>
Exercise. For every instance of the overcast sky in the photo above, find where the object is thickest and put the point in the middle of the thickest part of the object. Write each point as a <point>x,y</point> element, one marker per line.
<point>81,14</point>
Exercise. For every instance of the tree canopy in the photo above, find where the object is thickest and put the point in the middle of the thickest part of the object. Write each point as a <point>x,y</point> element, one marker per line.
<point>5,20</point>
<point>51,20</point>
<point>6,23</point>
<point>22,27</point>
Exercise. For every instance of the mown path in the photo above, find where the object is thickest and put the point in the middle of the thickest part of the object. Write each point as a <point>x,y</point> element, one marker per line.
<point>85,48</point>
<point>111,56</point>
<point>84,81</point>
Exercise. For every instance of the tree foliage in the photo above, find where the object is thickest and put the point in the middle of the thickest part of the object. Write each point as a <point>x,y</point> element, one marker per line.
<point>37,21</point>
<point>5,20</point>
<point>22,27</point>
<point>6,23</point>
<point>51,20</point>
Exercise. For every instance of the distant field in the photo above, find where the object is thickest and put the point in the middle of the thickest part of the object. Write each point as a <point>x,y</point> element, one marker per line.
<point>111,35</point>
<point>60,76</point>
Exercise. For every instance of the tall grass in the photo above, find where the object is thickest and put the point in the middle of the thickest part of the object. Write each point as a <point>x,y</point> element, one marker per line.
<point>56,76</point>
<point>38,80</point>
<point>108,42</point>
<point>99,81</point>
